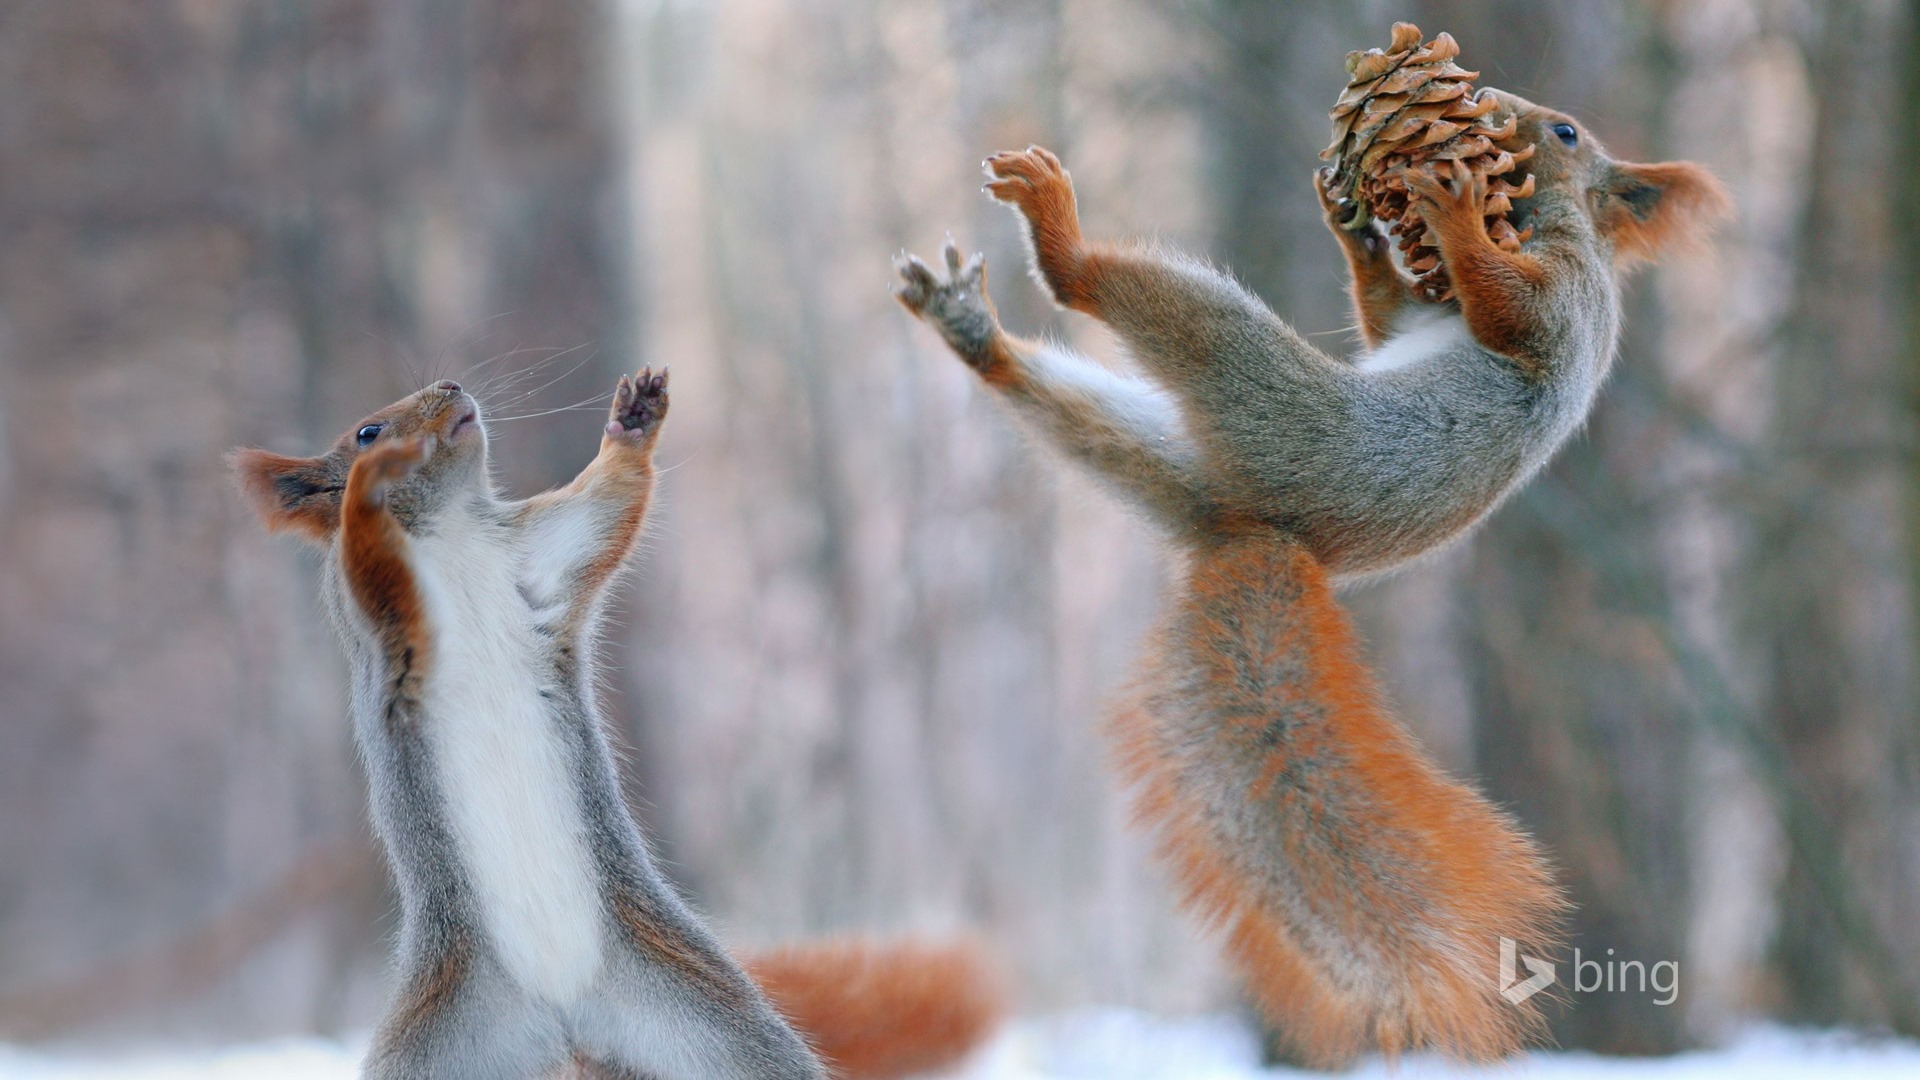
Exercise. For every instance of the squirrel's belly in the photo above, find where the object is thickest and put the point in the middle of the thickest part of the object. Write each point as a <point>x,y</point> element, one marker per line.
<point>514,808</point>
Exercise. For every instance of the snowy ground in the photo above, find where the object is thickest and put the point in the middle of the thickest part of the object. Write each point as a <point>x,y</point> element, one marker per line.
<point>1096,1045</point>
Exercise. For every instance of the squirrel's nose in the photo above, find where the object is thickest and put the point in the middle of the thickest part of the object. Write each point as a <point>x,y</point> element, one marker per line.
<point>447,385</point>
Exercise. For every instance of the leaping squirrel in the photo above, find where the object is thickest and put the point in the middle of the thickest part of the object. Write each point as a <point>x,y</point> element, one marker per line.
<point>536,932</point>
<point>1363,893</point>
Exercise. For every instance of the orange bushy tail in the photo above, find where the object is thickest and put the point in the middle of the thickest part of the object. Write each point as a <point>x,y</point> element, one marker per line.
<point>873,1010</point>
<point>1363,893</point>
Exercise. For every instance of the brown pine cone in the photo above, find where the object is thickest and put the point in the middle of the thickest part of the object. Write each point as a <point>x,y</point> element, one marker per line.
<point>1408,105</point>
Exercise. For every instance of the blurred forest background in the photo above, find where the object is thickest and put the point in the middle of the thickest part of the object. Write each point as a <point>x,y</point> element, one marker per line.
<point>860,674</point>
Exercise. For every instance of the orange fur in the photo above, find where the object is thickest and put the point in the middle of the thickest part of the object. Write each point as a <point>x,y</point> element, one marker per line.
<point>1652,210</point>
<point>872,1010</point>
<point>660,939</point>
<point>1409,878</point>
<point>1500,292</point>
<point>1378,292</point>
<point>1036,182</point>
<point>289,494</point>
<point>429,993</point>
<point>1000,367</point>
<point>374,564</point>
<point>621,474</point>
<point>1376,286</point>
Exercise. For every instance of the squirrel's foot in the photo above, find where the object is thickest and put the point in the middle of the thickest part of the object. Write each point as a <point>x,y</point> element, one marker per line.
<point>385,464</point>
<point>1034,182</point>
<point>639,407</point>
<point>955,305</point>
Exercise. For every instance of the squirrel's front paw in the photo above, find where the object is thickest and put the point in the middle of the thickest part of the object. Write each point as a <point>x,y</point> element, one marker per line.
<point>639,407</point>
<point>1349,219</point>
<point>1457,199</point>
<point>385,464</point>
<point>1034,181</point>
<point>956,305</point>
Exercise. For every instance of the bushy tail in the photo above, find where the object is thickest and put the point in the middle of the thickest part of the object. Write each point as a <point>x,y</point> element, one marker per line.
<point>1363,893</point>
<point>873,1010</point>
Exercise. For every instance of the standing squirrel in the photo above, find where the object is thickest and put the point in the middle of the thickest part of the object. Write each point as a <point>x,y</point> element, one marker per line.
<point>535,930</point>
<point>1363,893</point>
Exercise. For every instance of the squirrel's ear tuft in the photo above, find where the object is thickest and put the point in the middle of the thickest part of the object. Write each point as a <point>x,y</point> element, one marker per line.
<point>289,494</point>
<point>1651,210</point>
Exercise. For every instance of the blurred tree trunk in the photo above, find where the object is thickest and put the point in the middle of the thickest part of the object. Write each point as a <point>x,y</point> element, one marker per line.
<point>886,638</point>
<point>1269,83</point>
<point>1836,632</point>
<point>1572,720</point>
<point>221,225</point>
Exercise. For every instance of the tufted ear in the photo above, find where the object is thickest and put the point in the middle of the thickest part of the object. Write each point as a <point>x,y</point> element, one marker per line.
<point>290,494</point>
<point>1652,210</point>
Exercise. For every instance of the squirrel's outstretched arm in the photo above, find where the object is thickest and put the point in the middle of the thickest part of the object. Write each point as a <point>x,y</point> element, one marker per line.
<point>581,534</point>
<point>1191,326</point>
<point>376,562</point>
<point>1125,430</point>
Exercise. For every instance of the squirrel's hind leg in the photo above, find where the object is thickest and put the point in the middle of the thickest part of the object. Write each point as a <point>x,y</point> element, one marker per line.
<point>457,1017</point>
<point>1126,431</point>
<point>652,1024</point>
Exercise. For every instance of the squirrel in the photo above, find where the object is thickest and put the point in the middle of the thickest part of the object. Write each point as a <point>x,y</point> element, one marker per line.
<point>1362,892</point>
<point>536,932</point>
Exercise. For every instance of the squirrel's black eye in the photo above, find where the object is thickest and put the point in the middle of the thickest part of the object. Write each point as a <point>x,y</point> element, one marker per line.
<point>367,434</point>
<point>1568,135</point>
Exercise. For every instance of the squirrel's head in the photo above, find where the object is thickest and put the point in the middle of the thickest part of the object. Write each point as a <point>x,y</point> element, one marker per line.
<point>1642,212</point>
<point>301,495</point>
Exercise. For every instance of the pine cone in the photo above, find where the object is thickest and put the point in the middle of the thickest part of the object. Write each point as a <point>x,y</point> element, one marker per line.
<point>1406,106</point>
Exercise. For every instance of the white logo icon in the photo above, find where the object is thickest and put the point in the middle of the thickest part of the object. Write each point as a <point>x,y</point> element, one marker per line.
<point>1511,987</point>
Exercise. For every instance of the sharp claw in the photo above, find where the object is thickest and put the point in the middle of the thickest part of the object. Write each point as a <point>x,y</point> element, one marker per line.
<point>916,273</point>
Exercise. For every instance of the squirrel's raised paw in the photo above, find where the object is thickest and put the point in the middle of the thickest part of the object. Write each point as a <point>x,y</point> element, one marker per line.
<point>956,304</point>
<point>1349,219</point>
<point>385,464</point>
<point>927,295</point>
<point>639,406</point>
<point>1459,193</point>
<point>1012,172</point>
<point>1034,181</point>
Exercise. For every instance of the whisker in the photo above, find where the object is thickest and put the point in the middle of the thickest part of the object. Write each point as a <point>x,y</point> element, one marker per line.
<point>597,399</point>
<point>664,470</point>
<point>583,361</point>
<point>513,379</point>
<point>510,373</point>
<point>450,356</point>
<point>554,354</point>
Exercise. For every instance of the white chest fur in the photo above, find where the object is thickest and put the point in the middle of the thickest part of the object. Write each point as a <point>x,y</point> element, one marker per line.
<point>1423,336</point>
<point>511,802</point>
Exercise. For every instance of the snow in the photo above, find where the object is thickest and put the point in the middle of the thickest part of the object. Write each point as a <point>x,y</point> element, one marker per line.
<point>1097,1044</point>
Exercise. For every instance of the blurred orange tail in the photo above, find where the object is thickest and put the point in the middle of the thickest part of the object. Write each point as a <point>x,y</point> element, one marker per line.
<point>873,1010</point>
